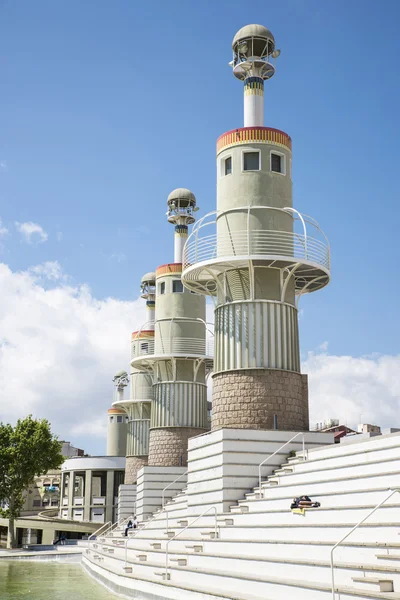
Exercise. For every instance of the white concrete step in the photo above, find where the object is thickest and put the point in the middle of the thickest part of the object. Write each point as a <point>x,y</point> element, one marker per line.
<point>338,472</point>
<point>242,587</point>
<point>313,487</point>
<point>334,498</point>
<point>388,513</point>
<point>375,583</point>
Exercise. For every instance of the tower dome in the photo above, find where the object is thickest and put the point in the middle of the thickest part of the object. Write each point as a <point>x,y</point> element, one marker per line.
<point>181,206</point>
<point>253,30</point>
<point>182,197</point>
<point>253,40</point>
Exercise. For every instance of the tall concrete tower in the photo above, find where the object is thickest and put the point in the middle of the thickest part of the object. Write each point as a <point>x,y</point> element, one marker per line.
<point>138,406</point>
<point>117,419</point>
<point>256,255</point>
<point>181,353</point>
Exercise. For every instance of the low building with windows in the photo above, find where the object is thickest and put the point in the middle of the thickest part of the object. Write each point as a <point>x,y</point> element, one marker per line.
<point>89,488</point>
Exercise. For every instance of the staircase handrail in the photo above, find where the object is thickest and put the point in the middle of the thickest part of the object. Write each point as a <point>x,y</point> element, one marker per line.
<point>169,485</point>
<point>392,492</point>
<point>91,539</point>
<point>213,508</point>
<point>99,529</point>
<point>137,531</point>
<point>276,452</point>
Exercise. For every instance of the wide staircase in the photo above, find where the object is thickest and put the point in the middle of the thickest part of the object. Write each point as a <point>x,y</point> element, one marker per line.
<point>260,548</point>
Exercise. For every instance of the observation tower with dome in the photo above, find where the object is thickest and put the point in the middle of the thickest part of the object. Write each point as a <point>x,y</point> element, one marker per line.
<point>256,256</point>
<point>181,355</point>
<point>138,406</point>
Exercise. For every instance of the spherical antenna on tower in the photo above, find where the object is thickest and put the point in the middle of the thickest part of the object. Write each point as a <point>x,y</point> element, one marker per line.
<point>253,48</point>
<point>181,206</point>
<point>148,285</point>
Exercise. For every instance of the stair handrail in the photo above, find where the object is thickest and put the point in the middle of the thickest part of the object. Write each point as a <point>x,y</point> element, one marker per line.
<point>137,531</point>
<point>276,452</point>
<point>169,485</point>
<point>392,492</point>
<point>213,508</point>
<point>108,523</point>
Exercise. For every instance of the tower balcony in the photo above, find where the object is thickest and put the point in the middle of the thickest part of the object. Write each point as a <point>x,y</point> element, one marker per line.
<point>256,236</point>
<point>176,338</point>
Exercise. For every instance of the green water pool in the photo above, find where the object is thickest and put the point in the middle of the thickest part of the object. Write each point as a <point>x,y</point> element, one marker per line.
<point>29,580</point>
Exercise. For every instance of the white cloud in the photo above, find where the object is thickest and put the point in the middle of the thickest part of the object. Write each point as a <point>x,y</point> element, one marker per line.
<point>32,233</point>
<point>3,230</point>
<point>364,389</point>
<point>50,270</point>
<point>59,349</point>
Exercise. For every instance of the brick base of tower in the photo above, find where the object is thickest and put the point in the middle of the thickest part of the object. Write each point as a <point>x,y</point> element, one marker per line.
<point>168,446</point>
<point>133,465</point>
<point>249,399</point>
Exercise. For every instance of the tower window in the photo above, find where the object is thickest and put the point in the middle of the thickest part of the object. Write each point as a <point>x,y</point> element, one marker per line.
<point>278,163</point>
<point>119,419</point>
<point>177,286</point>
<point>161,289</point>
<point>144,348</point>
<point>228,165</point>
<point>251,161</point>
<point>111,419</point>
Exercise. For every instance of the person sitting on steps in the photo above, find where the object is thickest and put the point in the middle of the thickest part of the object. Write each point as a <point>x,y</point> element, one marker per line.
<point>304,502</point>
<point>129,526</point>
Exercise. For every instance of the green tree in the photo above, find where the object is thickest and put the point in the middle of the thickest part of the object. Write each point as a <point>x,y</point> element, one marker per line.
<point>26,451</point>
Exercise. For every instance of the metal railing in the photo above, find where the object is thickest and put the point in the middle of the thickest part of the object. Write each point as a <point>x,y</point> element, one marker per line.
<point>163,493</point>
<point>169,485</point>
<point>276,452</point>
<point>96,533</point>
<point>211,508</point>
<point>137,531</point>
<point>174,345</point>
<point>392,492</point>
<point>205,244</point>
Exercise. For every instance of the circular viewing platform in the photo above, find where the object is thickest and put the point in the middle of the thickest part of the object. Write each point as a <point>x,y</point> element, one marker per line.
<point>144,357</point>
<point>303,249</point>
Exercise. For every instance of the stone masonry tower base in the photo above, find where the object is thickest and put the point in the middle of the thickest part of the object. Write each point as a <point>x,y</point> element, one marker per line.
<point>168,446</point>
<point>133,465</point>
<point>249,399</point>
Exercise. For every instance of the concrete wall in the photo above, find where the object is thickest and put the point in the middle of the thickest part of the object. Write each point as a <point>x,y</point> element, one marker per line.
<point>126,500</point>
<point>223,465</point>
<point>150,485</point>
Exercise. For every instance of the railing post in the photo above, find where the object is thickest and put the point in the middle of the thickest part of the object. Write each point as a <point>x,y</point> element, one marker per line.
<point>214,508</point>
<point>392,492</point>
<point>304,449</point>
<point>271,455</point>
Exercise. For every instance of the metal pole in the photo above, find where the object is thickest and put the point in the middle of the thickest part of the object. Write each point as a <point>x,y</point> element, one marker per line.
<point>304,450</point>
<point>350,532</point>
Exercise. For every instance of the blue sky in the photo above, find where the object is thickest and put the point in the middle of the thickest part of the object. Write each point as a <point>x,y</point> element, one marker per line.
<point>109,105</point>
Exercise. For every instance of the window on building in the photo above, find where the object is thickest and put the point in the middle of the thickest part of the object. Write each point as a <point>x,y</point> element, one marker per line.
<point>111,419</point>
<point>37,502</point>
<point>228,165</point>
<point>251,161</point>
<point>177,286</point>
<point>161,289</point>
<point>119,419</point>
<point>144,348</point>
<point>278,164</point>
